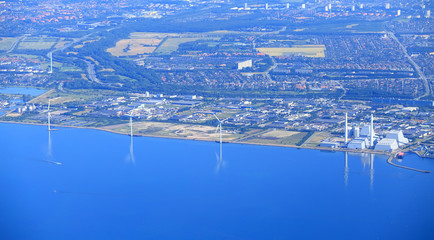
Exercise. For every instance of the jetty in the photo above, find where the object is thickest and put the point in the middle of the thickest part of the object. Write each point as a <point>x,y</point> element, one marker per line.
<point>393,155</point>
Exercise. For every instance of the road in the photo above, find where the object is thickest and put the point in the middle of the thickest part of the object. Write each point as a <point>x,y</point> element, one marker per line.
<point>68,45</point>
<point>17,42</point>
<point>418,70</point>
<point>91,72</point>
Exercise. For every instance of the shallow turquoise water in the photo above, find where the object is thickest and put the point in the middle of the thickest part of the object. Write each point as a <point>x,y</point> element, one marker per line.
<point>175,189</point>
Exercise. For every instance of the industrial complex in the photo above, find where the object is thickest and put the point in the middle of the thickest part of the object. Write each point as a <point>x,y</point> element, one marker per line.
<point>363,137</point>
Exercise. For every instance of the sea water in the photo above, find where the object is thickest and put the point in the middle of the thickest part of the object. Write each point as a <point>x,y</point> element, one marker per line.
<point>91,184</point>
<point>22,91</point>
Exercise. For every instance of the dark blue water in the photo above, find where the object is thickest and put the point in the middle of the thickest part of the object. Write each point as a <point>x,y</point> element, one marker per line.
<point>22,90</point>
<point>174,189</point>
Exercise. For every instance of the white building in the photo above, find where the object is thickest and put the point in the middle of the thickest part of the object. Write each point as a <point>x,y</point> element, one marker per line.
<point>386,144</point>
<point>365,131</point>
<point>244,64</point>
<point>329,144</point>
<point>356,131</point>
<point>358,143</point>
<point>398,136</point>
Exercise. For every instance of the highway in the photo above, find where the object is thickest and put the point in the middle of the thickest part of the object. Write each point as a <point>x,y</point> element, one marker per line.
<point>91,72</point>
<point>416,67</point>
<point>16,42</point>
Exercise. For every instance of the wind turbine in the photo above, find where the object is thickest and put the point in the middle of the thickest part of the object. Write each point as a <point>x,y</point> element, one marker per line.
<point>132,158</point>
<point>49,115</point>
<point>371,172</point>
<point>131,125</point>
<point>219,128</point>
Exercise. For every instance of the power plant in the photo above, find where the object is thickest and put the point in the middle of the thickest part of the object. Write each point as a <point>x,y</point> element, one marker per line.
<point>363,137</point>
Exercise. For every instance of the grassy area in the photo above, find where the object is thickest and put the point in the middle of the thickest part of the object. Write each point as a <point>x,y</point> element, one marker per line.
<point>171,44</point>
<point>177,130</point>
<point>316,139</point>
<point>37,43</point>
<point>136,46</point>
<point>74,95</point>
<point>6,43</point>
<point>303,50</point>
<point>280,137</point>
<point>353,26</point>
<point>61,43</point>
<point>70,69</point>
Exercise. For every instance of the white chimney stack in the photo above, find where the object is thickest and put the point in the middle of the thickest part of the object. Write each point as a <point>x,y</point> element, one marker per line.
<point>372,131</point>
<point>346,128</point>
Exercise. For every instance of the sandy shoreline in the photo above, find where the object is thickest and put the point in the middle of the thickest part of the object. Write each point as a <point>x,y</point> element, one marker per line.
<point>193,139</point>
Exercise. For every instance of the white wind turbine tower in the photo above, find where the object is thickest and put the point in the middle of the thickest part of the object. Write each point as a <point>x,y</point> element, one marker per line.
<point>131,157</point>
<point>131,124</point>
<point>219,128</point>
<point>49,115</point>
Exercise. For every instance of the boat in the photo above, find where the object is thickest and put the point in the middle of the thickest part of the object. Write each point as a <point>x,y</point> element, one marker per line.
<point>400,155</point>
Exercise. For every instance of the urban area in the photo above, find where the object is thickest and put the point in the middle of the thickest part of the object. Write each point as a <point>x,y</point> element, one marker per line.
<point>351,76</point>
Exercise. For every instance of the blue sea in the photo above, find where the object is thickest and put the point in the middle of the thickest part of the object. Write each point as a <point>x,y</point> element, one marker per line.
<point>90,184</point>
<point>22,90</point>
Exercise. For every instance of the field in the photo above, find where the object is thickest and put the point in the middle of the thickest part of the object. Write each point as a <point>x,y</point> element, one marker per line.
<point>135,46</point>
<point>37,43</point>
<point>196,132</point>
<point>316,51</point>
<point>72,95</point>
<point>350,26</point>
<point>86,42</point>
<point>70,69</point>
<point>172,44</point>
<point>316,139</point>
<point>142,35</point>
<point>61,43</point>
<point>6,43</point>
<point>279,137</point>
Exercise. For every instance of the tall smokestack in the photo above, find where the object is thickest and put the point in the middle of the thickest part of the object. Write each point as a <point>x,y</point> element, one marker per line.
<point>372,131</point>
<point>346,128</point>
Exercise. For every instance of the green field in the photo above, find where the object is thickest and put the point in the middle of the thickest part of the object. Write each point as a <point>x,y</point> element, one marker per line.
<point>6,43</point>
<point>278,137</point>
<point>171,45</point>
<point>36,43</point>
<point>70,69</point>
<point>351,26</point>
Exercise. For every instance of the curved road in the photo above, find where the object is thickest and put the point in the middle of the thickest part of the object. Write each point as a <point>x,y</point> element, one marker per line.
<point>418,70</point>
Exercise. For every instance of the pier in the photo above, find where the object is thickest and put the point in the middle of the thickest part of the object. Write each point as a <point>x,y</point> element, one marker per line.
<point>392,156</point>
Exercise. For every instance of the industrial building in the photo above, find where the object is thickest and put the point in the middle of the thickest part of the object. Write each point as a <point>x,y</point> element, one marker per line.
<point>329,144</point>
<point>358,143</point>
<point>365,131</point>
<point>244,64</point>
<point>386,144</point>
<point>398,136</point>
<point>364,138</point>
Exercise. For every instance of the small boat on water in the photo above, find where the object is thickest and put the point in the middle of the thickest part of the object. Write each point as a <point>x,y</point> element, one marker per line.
<point>400,155</point>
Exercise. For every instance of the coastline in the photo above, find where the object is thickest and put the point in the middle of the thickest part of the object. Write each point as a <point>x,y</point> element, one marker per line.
<point>371,151</point>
